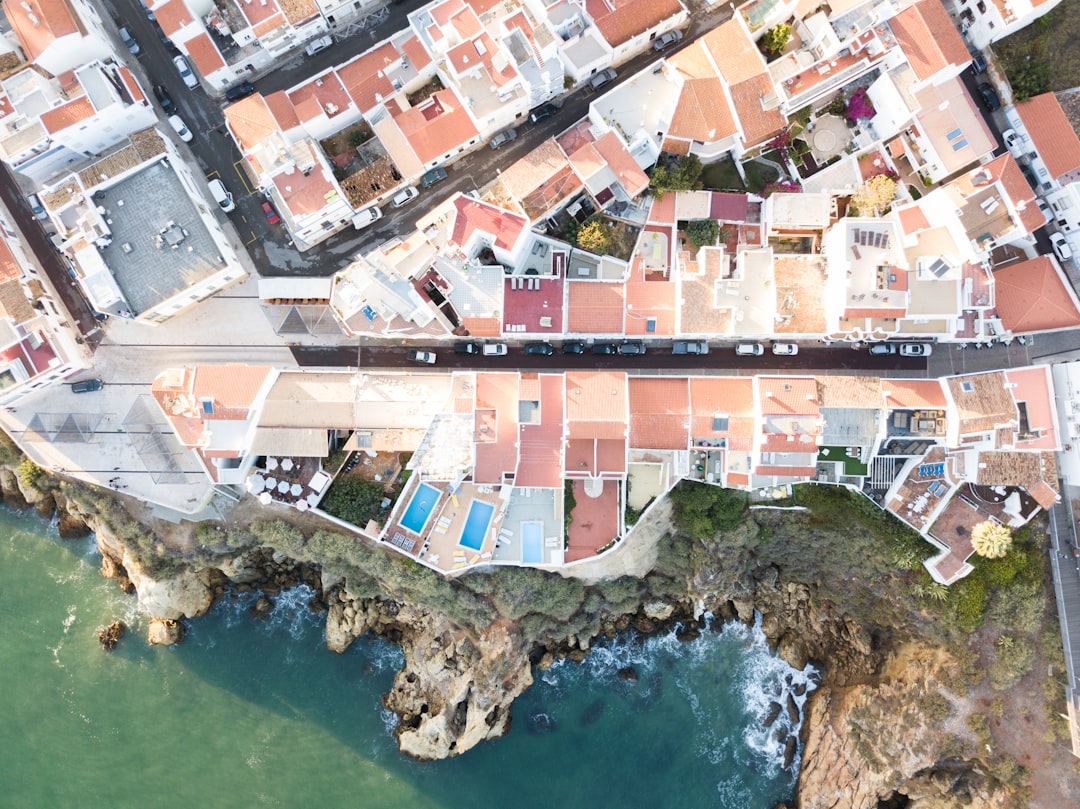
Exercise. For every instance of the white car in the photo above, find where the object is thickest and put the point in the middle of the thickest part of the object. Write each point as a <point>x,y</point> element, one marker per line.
<point>221,195</point>
<point>367,216</point>
<point>749,349</point>
<point>915,349</point>
<point>185,72</point>
<point>404,197</point>
<point>422,357</point>
<point>320,44</point>
<point>494,350</point>
<point>1061,247</point>
<point>785,349</point>
<point>177,123</point>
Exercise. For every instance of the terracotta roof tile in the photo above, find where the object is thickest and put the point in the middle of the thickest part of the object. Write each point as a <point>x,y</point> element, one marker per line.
<point>622,20</point>
<point>596,396</point>
<point>758,124</point>
<point>250,121</point>
<point>653,305</point>
<point>928,37</point>
<point>416,53</point>
<point>659,412</point>
<point>733,51</point>
<point>365,79</point>
<point>172,16</point>
<point>259,12</point>
<point>633,180</point>
<point>60,118</point>
<point>913,393</point>
<point>1032,295</point>
<point>541,461</point>
<point>1051,133</point>
<point>702,112</point>
<point>1034,388</point>
<point>322,95</point>
<point>596,307</point>
<point>54,20</point>
<point>9,267</point>
<point>982,401</point>
<point>204,54</point>
<point>437,126</point>
<point>787,395</point>
<point>473,216</point>
<point>850,391</point>
<point>912,219</point>
<point>282,110</point>
<point>306,194</point>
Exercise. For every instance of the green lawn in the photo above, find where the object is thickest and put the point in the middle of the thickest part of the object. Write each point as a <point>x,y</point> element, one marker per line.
<point>1051,42</point>
<point>852,466</point>
<point>722,176</point>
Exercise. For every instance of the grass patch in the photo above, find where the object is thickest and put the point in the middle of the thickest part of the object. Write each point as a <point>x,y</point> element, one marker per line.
<point>722,176</point>
<point>759,175</point>
<point>1050,45</point>
<point>852,466</point>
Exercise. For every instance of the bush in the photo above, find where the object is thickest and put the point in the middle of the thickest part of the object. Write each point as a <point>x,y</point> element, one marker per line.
<point>1014,660</point>
<point>859,106</point>
<point>519,591</point>
<point>702,232</point>
<point>594,237</point>
<point>1028,78</point>
<point>702,510</point>
<point>684,176</point>
<point>29,473</point>
<point>776,39</point>
<point>354,500</point>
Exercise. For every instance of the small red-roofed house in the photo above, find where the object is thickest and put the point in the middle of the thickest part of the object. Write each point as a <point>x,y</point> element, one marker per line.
<point>786,443</point>
<point>58,35</point>
<point>427,135</point>
<point>997,19</point>
<point>929,38</point>
<point>629,25</point>
<point>307,196</point>
<point>1033,296</point>
<point>596,424</point>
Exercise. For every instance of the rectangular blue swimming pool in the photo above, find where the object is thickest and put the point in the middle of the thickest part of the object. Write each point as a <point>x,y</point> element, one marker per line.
<point>476,524</point>
<point>420,508</point>
<point>532,543</point>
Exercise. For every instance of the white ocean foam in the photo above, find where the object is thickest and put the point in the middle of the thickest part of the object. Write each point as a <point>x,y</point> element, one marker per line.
<point>70,619</point>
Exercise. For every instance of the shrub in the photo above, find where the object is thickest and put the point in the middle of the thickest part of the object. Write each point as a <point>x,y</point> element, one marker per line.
<point>354,500</point>
<point>991,539</point>
<point>702,510</point>
<point>684,176</point>
<point>874,196</point>
<point>1014,660</point>
<point>594,237</point>
<point>279,535</point>
<point>702,232</point>
<point>29,473</point>
<point>520,591</point>
<point>776,39</point>
<point>1028,78</point>
<point>859,106</point>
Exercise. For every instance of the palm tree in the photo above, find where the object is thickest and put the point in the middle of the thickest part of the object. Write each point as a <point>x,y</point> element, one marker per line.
<point>991,539</point>
<point>937,591</point>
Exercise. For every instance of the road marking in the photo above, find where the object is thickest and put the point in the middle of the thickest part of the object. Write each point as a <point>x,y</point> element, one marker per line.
<point>240,174</point>
<point>253,239</point>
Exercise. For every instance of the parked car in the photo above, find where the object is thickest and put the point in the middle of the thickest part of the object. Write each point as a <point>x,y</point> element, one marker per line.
<point>882,349</point>
<point>185,72</point>
<point>422,357</point>
<point>1012,142</point>
<point>367,216</point>
<point>749,349</point>
<point>36,207</point>
<point>573,347</point>
<point>785,349</point>
<point>432,176</point>
<point>238,91</point>
<point>129,41</point>
<point>539,349</point>
<point>632,347</point>
<point>87,386</point>
<point>989,96</point>
<point>604,348</point>
<point>271,215</point>
<point>978,62</point>
<point>915,349</point>
<point>502,138</point>
<point>320,44</point>
<point>164,99</point>
<point>670,38</point>
<point>404,197</point>
<point>1061,247</point>
<point>690,347</point>
<point>602,78</point>
<point>466,348</point>
<point>178,125</point>
<point>540,113</point>
<point>222,196</point>
<point>494,350</point>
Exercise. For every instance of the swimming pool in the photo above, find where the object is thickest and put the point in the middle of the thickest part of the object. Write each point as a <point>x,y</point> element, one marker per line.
<point>420,508</point>
<point>476,524</point>
<point>532,542</point>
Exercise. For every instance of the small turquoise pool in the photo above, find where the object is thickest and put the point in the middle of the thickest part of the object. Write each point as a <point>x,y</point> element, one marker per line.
<point>476,524</point>
<point>532,543</point>
<point>420,508</point>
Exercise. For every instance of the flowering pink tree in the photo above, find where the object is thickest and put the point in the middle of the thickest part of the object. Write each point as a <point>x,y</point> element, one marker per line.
<point>859,106</point>
<point>782,186</point>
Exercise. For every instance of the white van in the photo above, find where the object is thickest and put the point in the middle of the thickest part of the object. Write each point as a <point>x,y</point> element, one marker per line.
<point>221,195</point>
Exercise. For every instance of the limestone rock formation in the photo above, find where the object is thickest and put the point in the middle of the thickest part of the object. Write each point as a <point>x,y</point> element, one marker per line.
<point>110,635</point>
<point>164,632</point>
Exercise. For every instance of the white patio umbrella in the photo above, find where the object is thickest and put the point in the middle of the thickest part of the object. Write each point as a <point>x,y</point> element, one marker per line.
<point>302,505</point>
<point>254,486</point>
<point>296,489</point>
<point>270,483</point>
<point>283,486</point>
<point>271,463</point>
<point>265,498</point>
<point>286,464</point>
<point>258,481</point>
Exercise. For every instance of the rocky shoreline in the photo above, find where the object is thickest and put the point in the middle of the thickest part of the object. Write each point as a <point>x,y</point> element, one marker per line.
<point>458,683</point>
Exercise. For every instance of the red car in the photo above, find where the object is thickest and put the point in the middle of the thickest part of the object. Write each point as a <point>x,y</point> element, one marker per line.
<point>271,214</point>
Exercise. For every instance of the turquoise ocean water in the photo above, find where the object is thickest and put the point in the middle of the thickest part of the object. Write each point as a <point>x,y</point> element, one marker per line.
<point>257,714</point>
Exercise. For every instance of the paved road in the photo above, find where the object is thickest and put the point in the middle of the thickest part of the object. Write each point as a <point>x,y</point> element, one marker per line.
<point>1065,562</point>
<point>838,359</point>
<point>55,266</point>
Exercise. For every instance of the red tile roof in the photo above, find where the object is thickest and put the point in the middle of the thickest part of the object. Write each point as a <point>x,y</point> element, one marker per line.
<point>365,79</point>
<point>702,112</point>
<point>596,396</point>
<point>39,23</point>
<point>204,54</point>
<point>472,216</point>
<point>650,304</point>
<point>729,207</point>
<point>60,118</point>
<point>912,219</point>
<point>322,95</point>
<point>733,51</point>
<point>913,393</point>
<point>261,11</point>
<point>9,267</point>
<point>416,53</point>
<point>787,395</point>
<point>1051,133</point>
<point>595,307</point>
<point>758,124</point>
<point>633,180</point>
<point>537,310</point>
<point>496,427</point>
<point>250,121</point>
<point>730,397</point>
<point>622,20</point>
<point>436,127</point>
<point>541,462</point>
<point>282,110</point>
<point>1034,387</point>
<point>172,16</point>
<point>1032,296</point>
<point>304,194</point>
<point>659,412</point>
<point>928,37</point>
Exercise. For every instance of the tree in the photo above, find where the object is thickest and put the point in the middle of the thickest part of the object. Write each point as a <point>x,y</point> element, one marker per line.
<point>776,39</point>
<point>354,500</point>
<point>594,237</point>
<point>1028,78</point>
<point>683,176</point>
<point>875,195</point>
<point>702,232</point>
<point>991,539</point>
